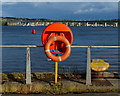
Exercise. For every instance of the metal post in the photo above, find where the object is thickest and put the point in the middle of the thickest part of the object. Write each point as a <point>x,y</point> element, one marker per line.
<point>56,72</point>
<point>88,71</point>
<point>28,66</point>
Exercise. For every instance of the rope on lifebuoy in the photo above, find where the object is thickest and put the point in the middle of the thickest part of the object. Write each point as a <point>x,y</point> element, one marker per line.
<point>57,58</point>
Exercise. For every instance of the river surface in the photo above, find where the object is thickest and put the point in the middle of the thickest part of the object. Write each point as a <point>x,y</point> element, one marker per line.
<point>13,59</point>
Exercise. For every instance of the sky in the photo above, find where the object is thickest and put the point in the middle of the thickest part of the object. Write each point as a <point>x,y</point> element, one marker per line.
<point>61,10</point>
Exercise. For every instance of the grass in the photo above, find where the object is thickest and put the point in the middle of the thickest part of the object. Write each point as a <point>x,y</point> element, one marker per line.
<point>46,89</point>
<point>15,87</point>
<point>15,83</point>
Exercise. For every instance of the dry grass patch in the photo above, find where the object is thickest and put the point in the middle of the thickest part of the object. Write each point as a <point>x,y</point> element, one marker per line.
<point>71,83</point>
<point>3,77</point>
<point>11,87</point>
<point>43,76</point>
<point>19,77</point>
<point>37,87</point>
<point>54,90</point>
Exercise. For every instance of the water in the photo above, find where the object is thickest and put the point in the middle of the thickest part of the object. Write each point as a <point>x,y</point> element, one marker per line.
<point>13,59</point>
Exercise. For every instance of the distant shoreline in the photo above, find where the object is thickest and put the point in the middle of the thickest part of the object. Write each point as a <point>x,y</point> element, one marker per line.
<point>7,21</point>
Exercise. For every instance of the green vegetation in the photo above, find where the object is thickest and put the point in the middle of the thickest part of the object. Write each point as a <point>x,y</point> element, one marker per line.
<point>35,87</point>
<point>4,20</point>
<point>44,83</point>
<point>3,23</point>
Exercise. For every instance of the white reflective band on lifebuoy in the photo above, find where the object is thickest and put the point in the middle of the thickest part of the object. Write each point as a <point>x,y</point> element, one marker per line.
<point>55,38</point>
<point>60,59</point>
<point>68,45</point>
<point>47,50</point>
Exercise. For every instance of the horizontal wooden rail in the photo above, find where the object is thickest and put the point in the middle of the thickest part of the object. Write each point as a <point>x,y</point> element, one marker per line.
<point>71,46</point>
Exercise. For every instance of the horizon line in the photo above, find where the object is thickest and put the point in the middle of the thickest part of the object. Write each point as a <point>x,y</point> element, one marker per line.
<point>56,19</point>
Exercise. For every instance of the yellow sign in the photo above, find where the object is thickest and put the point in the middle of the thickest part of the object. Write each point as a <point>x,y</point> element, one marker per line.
<point>99,65</point>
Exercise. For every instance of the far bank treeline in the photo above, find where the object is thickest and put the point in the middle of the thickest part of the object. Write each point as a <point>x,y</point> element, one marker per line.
<point>5,20</point>
<point>12,21</point>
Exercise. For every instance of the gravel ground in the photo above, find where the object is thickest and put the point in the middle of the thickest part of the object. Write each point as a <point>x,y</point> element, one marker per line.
<point>115,82</point>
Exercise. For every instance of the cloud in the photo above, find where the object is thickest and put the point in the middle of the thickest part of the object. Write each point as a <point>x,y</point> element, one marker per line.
<point>35,4</point>
<point>39,4</point>
<point>26,1</point>
<point>96,7</point>
<point>6,14</point>
<point>0,13</point>
<point>60,0</point>
<point>61,10</point>
<point>9,3</point>
<point>84,11</point>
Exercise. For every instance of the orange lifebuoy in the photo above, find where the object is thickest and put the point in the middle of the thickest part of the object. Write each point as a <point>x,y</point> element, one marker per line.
<point>58,58</point>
